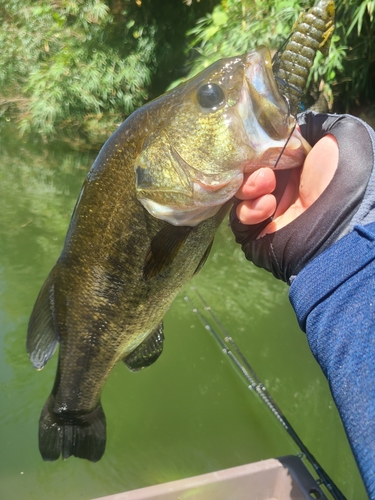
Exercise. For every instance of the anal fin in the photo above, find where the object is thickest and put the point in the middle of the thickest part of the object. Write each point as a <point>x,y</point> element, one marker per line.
<point>147,352</point>
<point>42,338</point>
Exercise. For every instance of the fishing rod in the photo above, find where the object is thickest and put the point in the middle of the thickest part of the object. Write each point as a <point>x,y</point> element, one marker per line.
<point>230,348</point>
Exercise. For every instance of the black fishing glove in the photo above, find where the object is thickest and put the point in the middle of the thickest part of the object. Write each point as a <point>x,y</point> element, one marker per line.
<point>348,199</point>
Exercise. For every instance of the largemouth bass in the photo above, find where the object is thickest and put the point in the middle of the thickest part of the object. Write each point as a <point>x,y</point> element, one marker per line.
<point>143,225</point>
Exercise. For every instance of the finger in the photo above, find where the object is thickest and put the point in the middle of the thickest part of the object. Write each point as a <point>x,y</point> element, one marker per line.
<point>257,184</point>
<point>287,190</point>
<point>283,220</point>
<point>256,211</point>
<point>318,171</point>
<point>319,168</point>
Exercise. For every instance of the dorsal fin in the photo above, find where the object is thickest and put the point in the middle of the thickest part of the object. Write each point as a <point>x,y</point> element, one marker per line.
<point>42,337</point>
<point>164,248</point>
<point>147,352</point>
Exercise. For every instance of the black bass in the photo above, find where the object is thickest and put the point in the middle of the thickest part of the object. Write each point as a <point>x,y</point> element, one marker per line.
<point>143,225</point>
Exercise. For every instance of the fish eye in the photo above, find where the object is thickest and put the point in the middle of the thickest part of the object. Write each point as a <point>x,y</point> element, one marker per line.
<point>210,95</point>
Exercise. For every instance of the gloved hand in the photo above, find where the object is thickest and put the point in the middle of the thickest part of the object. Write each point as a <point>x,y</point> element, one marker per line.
<point>342,204</point>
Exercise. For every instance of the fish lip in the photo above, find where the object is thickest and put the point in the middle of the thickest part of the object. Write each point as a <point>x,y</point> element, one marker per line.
<point>180,217</point>
<point>225,190</point>
<point>201,209</point>
<point>282,157</point>
<point>212,187</point>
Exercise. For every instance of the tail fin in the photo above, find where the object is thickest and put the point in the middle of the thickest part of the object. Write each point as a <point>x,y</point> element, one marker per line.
<point>82,436</point>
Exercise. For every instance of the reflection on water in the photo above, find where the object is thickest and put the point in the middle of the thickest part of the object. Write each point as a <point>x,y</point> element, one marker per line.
<point>189,413</point>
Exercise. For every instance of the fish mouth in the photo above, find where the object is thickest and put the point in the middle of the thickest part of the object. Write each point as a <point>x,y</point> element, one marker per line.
<point>272,132</point>
<point>291,154</point>
<point>269,107</point>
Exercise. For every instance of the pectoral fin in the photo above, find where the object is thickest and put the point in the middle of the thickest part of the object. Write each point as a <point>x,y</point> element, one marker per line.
<point>147,352</point>
<point>42,338</point>
<point>204,258</point>
<point>164,248</point>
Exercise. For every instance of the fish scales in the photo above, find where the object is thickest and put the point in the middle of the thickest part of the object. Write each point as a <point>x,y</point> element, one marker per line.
<point>311,32</point>
<point>143,225</point>
<point>120,260</point>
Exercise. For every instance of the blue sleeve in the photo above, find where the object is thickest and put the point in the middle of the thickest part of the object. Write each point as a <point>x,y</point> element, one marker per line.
<point>334,301</point>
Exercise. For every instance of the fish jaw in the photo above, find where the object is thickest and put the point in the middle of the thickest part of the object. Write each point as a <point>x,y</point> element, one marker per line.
<point>272,133</point>
<point>208,199</point>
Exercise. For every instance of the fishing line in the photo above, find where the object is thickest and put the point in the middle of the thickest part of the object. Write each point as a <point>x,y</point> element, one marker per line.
<point>286,143</point>
<point>230,348</point>
<point>288,85</point>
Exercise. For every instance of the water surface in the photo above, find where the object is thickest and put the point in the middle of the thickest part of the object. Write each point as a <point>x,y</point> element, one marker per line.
<point>189,413</point>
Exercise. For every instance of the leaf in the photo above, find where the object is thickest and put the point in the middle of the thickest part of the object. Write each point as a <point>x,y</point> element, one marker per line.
<point>219,17</point>
<point>358,18</point>
<point>210,32</point>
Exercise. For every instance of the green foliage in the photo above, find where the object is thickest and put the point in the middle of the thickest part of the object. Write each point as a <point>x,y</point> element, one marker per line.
<point>236,26</point>
<point>79,67</point>
<point>346,74</point>
<point>356,32</point>
<point>66,68</point>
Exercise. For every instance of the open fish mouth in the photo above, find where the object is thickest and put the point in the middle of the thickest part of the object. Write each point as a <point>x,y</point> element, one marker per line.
<point>268,109</point>
<point>291,153</point>
<point>270,128</point>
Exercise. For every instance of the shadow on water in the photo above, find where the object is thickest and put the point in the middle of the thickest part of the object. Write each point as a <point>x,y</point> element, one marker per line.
<point>189,413</point>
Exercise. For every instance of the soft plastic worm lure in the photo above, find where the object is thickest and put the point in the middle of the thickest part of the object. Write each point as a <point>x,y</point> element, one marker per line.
<point>291,66</point>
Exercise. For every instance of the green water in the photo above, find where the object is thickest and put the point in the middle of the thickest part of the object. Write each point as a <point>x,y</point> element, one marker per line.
<point>188,414</point>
